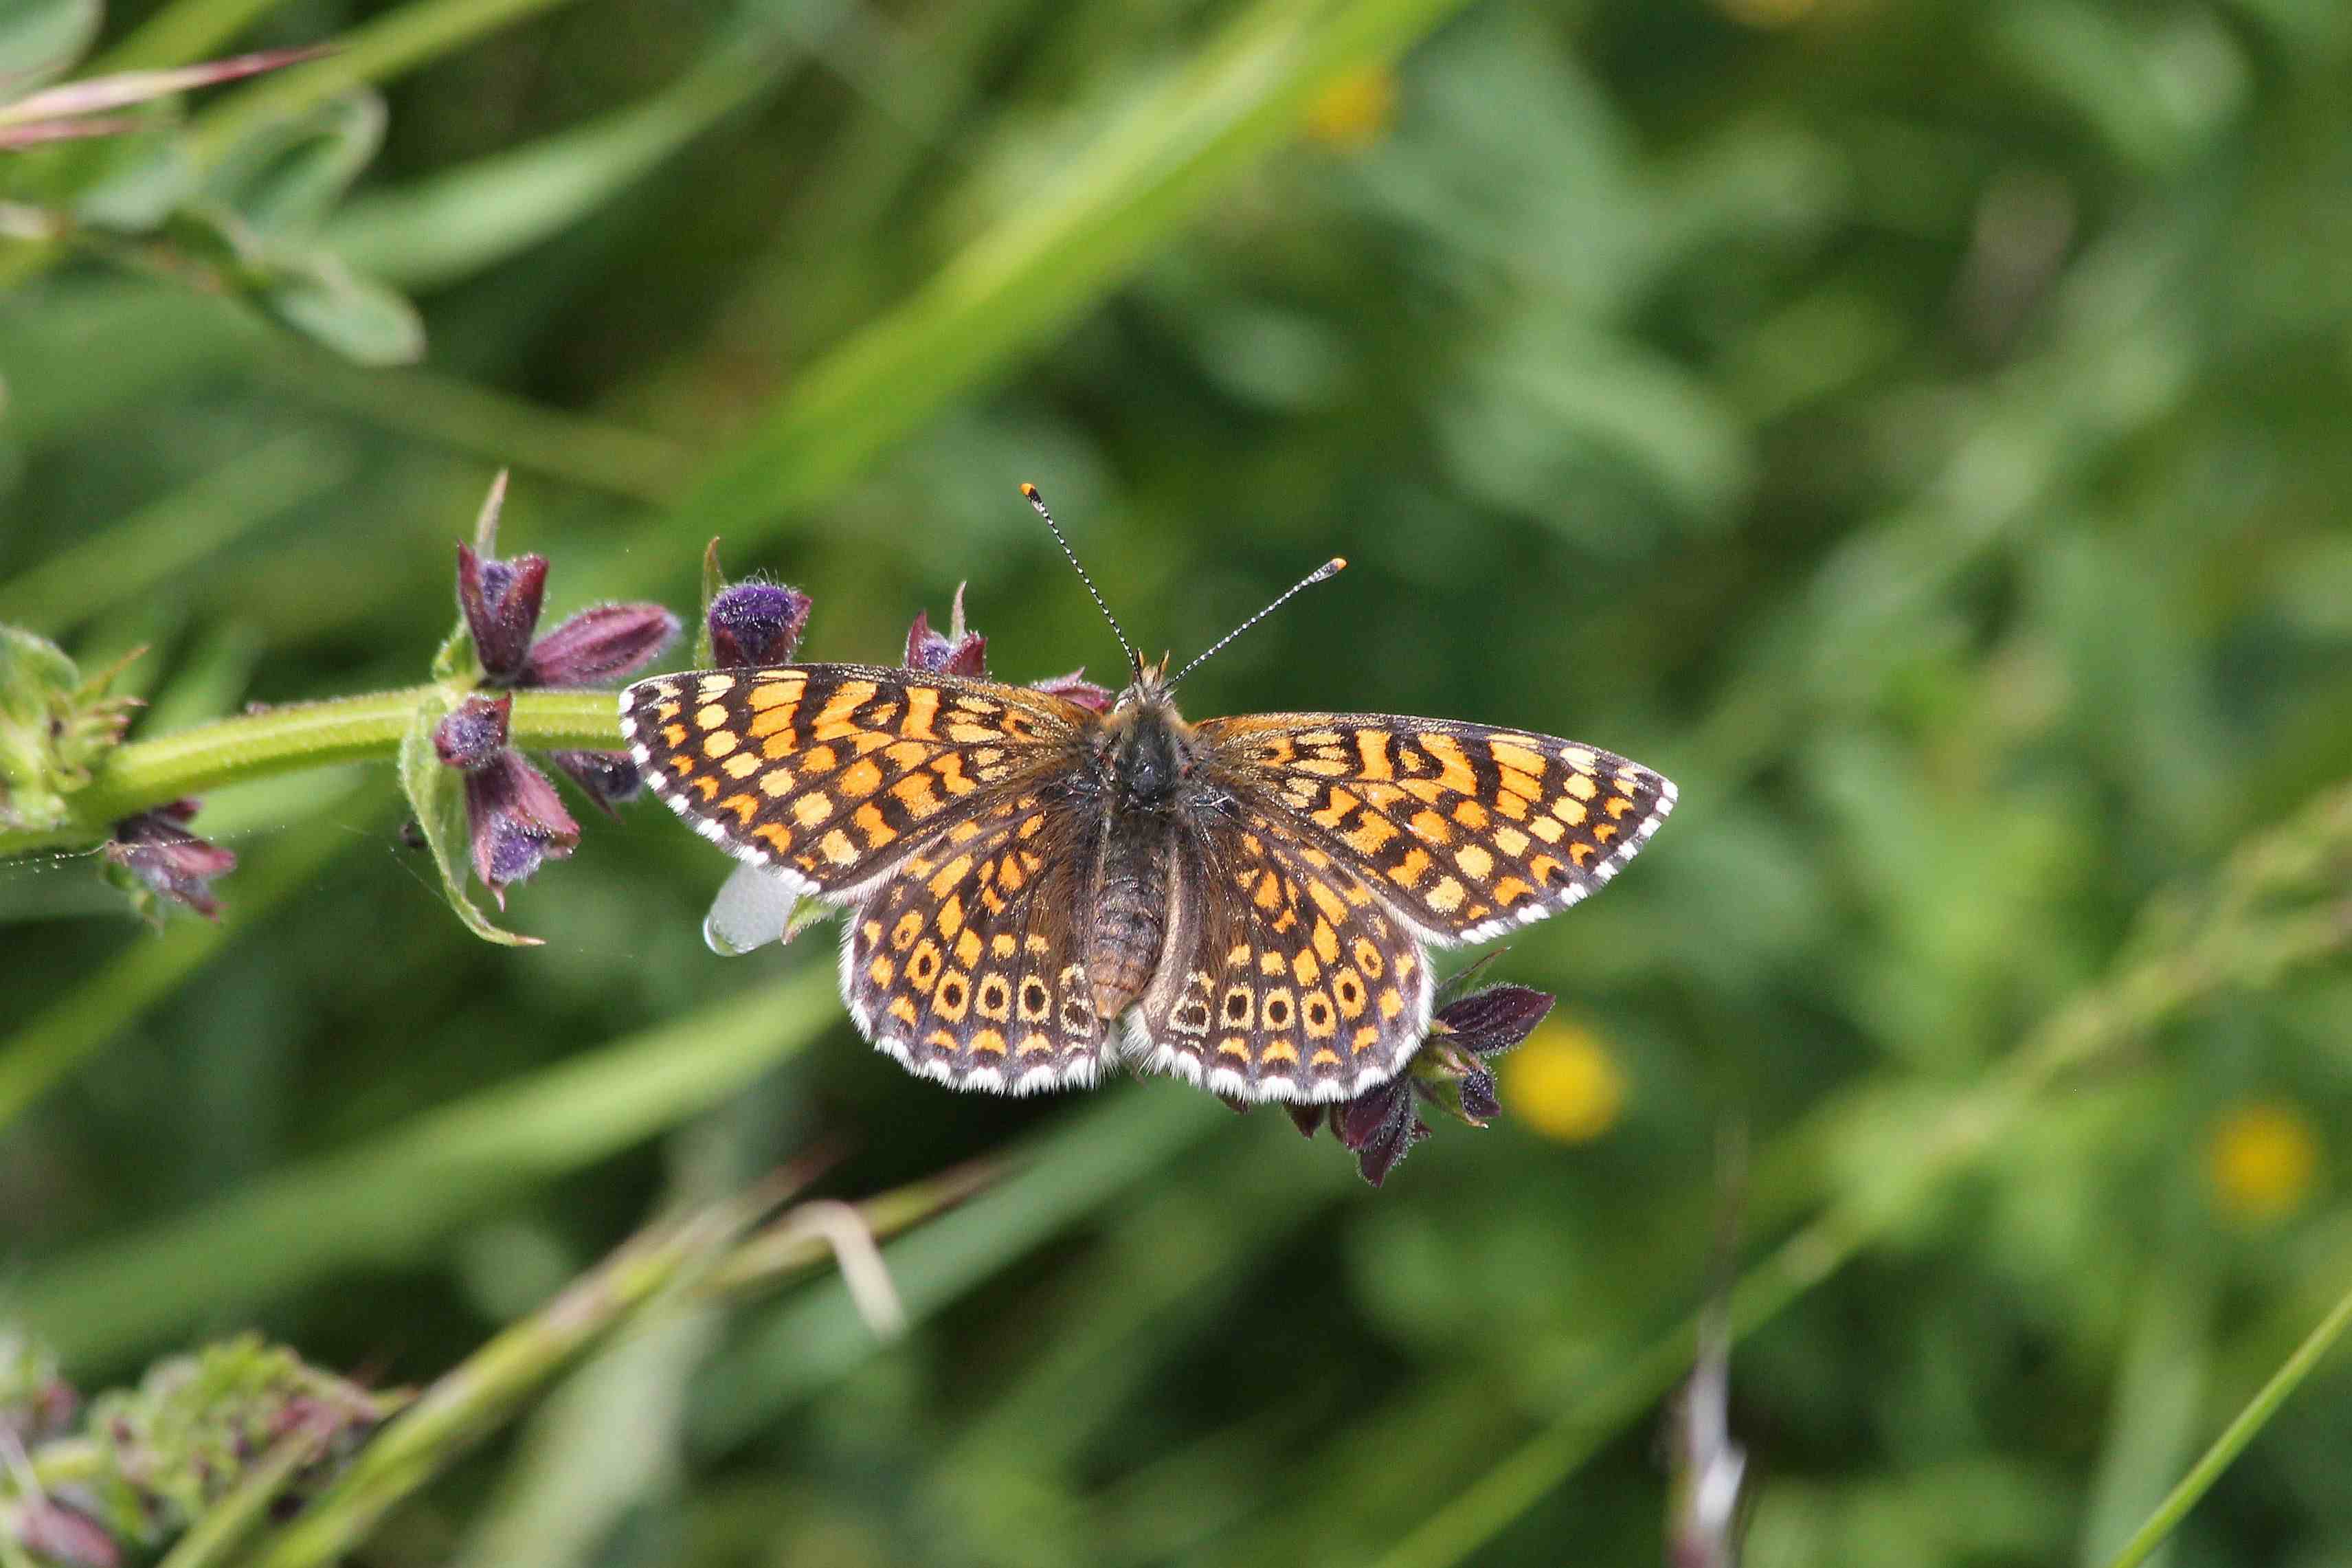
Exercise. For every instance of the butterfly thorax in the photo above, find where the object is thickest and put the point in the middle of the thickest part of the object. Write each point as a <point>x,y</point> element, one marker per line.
<point>1146,750</point>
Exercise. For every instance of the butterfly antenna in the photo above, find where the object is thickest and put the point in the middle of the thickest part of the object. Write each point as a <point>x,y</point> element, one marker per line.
<point>1134,659</point>
<point>1328,569</point>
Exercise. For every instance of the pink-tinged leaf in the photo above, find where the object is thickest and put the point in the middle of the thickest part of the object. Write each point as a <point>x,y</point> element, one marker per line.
<point>45,131</point>
<point>142,87</point>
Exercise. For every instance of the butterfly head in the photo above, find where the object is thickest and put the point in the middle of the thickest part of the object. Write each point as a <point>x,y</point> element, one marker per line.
<point>1145,743</point>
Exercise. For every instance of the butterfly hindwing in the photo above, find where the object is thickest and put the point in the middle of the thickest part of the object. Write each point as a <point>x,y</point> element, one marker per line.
<point>830,774</point>
<point>1466,830</point>
<point>1285,978</point>
<point>963,964</point>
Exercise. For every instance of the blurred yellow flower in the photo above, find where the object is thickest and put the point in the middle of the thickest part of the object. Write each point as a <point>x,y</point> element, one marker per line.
<point>2262,1159</point>
<point>1354,111</point>
<point>1564,1084</point>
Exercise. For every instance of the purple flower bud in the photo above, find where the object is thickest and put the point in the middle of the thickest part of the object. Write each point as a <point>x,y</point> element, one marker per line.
<point>170,861</point>
<point>517,822</point>
<point>1075,687</point>
<point>500,601</point>
<point>1489,1022</point>
<point>608,778</point>
<point>600,644</point>
<point>1380,1126</point>
<point>56,1533</point>
<point>472,734</point>
<point>753,624</point>
<point>961,652</point>
<point>1481,1101</point>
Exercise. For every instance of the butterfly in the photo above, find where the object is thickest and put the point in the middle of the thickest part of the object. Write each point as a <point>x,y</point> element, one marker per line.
<point>1037,891</point>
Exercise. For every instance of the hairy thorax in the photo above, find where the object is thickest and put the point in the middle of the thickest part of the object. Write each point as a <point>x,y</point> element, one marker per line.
<point>1147,754</point>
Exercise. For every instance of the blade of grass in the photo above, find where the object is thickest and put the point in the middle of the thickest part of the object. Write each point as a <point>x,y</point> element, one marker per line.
<point>2234,1438</point>
<point>1054,257</point>
<point>391,1196</point>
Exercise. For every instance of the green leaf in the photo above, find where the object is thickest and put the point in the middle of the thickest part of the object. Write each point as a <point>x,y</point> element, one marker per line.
<point>41,39</point>
<point>289,176</point>
<point>436,793</point>
<point>357,318</point>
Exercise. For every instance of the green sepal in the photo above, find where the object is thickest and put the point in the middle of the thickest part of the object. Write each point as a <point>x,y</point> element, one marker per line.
<point>55,728</point>
<point>436,793</point>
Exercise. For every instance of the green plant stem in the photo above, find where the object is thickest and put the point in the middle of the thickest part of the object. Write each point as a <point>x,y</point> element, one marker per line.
<point>2234,1438</point>
<point>299,735</point>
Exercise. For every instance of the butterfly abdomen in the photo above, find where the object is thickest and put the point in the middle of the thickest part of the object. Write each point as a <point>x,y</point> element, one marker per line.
<point>1128,922</point>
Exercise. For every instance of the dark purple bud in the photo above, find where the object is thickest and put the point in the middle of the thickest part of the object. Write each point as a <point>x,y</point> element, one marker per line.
<point>472,734</point>
<point>1380,1126</point>
<point>1480,1102</point>
<point>1489,1022</point>
<point>961,651</point>
<point>600,644</point>
<point>753,624</point>
<point>172,862</point>
<point>1075,687</point>
<point>56,1533</point>
<point>517,822</point>
<point>1308,1117</point>
<point>501,600</point>
<point>608,778</point>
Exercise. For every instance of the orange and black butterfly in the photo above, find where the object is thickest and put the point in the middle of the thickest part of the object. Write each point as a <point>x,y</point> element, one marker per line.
<point>1038,892</point>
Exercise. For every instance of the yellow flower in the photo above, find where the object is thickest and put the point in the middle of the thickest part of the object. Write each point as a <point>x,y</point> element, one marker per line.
<point>2263,1160</point>
<point>1564,1084</point>
<point>1351,113</point>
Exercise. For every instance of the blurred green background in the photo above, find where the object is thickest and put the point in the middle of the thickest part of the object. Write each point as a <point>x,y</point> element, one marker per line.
<point>1920,429</point>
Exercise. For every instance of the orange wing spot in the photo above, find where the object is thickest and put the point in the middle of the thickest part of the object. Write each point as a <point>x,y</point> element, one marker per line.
<point>1232,1046</point>
<point>774,720</point>
<point>768,694</point>
<point>708,786</point>
<point>674,736</point>
<point>1269,891</point>
<point>954,872</point>
<point>872,931</point>
<point>837,847</point>
<point>904,754</point>
<point>1476,860</point>
<point>868,819</point>
<point>915,793</point>
<point>1547,871</point>
<point>949,768</point>
<point>1458,775</point>
<point>1316,1013</point>
<point>989,1042</point>
<point>1237,955</point>
<point>779,836</point>
<point>1282,1051</point>
<point>1030,828</point>
<point>1547,828</point>
<point>744,807</point>
<point>963,832</point>
<point>1035,946</point>
<point>1446,896</point>
<point>839,729</point>
<point>1269,963</point>
<point>783,743</point>
<point>1511,889</point>
<point>860,779</point>
<point>1514,806</point>
<point>1432,827</point>
<point>902,1009</point>
<point>812,808</point>
<point>1582,854</point>
<point>967,948</point>
<point>1408,871</point>
<point>742,765</point>
<point>1366,1037</point>
<point>1369,835</point>
<point>1522,784</point>
<point>1367,957</point>
<point>1392,1002</point>
<point>1333,906</point>
<point>719,744</point>
<point>950,918</point>
<point>1002,945</point>
<point>1470,814</point>
<point>1303,969</point>
<point>820,759</point>
<point>1373,748</point>
<point>1511,754</point>
<point>1603,832</point>
<point>910,927</point>
<point>922,706</point>
<point>953,995</point>
<point>1581,786</point>
<point>881,970</point>
<point>1033,1044</point>
<point>711,716</point>
<point>847,699</point>
<point>1348,987</point>
<point>1324,1057</point>
<point>940,1039</point>
<point>1327,943</point>
<point>1429,792</point>
<point>923,964</point>
<point>1568,810</point>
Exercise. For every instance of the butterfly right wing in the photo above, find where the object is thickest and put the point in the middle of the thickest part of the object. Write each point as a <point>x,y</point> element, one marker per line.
<point>828,774</point>
<point>965,965</point>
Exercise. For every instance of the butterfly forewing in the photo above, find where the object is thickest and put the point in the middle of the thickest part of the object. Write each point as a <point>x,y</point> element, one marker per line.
<point>1464,829</point>
<point>830,774</point>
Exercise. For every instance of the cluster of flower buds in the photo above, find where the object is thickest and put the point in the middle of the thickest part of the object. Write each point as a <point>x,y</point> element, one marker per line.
<point>513,813</point>
<point>1454,1071</point>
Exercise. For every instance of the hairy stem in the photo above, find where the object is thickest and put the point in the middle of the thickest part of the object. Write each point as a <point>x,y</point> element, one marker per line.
<point>285,739</point>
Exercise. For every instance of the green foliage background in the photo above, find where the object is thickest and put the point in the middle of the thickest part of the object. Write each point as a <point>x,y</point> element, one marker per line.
<point>1917,429</point>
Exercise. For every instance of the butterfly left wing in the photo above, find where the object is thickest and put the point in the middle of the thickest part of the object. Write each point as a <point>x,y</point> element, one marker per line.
<point>829,774</point>
<point>1466,830</point>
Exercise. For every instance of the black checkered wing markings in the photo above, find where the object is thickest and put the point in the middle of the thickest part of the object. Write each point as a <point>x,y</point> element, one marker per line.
<point>830,774</point>
<point>1465,829</point>
<point>1287,978</point>
<point>964,963</point>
